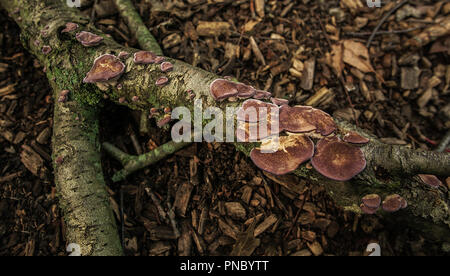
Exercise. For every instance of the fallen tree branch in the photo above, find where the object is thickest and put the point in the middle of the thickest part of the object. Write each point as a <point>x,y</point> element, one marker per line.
<point>79,180</point>
<point>135,24</point>
<point>133,163</point>
<point>444,143</point>
<point>385,17</point>
<point>388,168</point>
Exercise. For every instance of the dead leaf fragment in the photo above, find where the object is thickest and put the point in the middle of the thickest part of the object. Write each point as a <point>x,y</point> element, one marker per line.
<point>357,55</point>
<point>334,59</point>
<point>246,242</point>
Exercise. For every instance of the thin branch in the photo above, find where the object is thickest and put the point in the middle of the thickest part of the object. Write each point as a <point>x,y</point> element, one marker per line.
<point>398,6</point>
<point>132,163</point>
<point>444,142</point>
<point>137,26</point>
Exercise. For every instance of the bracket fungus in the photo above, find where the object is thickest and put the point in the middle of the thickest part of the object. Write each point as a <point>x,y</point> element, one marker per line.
<point>355,138</point>
<point>279,102</point>
<point>338,160</point>
<point>63,96</point>
<point>123,55</point>
<point>159,59</point>
<point>70,27</point>
<point>161,81</point>
<point>260,94</point>
<point>393,203</point>
<point>253,132</point>
<point>292,119</point>
<point>323,122</point>
<point>430,180</point>
<point>166,66</point>
<point>252,111</point>
<point>164,121</point>
<point>46,49</point>
<point>293,150</point>
<point>372,201</point>
<point>245,91</point>
<point>367,210</point>
<point>222,89</point>
<point>299,119</point>
<point>106,67</point>
<point>88,39</point>
<point>144,57</point>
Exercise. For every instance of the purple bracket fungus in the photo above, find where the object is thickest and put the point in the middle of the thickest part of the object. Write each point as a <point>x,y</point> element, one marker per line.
<point>279,102</point>
<point>144,57</point>
<point>191,94</point>
<point>404,203</point>
<point>166,66</point>
<point>393,203</point>
<point>159,59</point>
<point>355,138</point>
<point>161,81</point>
<point>292,152</point>
<point>70,27</point>
<point>46,50</point>
<point>326,140</point>
<point>245,91</point>
<point>323,122</point>
<point>223,89</point>
<point>164,121</point>
<point>64,92</point>
<point>252,110</point>
<point>338,160</point>
<point>62,98</point>
<point>123,55</point>
<point>372,201</point>
<point>59,160</point>
<point>259,95</point>
<point>106,68</point>
<point>367,210</point>
<point>88,39</point>
<point>430,180</point>
<point>292,119</point>
<point>251,132</point>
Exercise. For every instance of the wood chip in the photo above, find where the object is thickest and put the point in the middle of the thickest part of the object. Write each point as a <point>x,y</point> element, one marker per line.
<point>319,97</point>
<point>7,89</point>
<point>307,80</point>
<point>410,77</point>
<point>182,198</point>
<point>207,28</point>
<point>33,162</point>
<point>315,248</point>
<point>269,221</point>
<point>257,51</point>
<point>235,210</point>
<point>227,229</point>
<point>302,253</point>
<point>259,8</point>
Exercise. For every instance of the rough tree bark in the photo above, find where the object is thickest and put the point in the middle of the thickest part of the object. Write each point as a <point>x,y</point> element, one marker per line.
<point>390,169</point>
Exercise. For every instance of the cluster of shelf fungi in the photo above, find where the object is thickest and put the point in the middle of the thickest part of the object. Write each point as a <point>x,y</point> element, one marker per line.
<point>336,158</point>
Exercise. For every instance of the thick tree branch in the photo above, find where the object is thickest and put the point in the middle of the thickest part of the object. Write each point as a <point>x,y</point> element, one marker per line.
<point>79,180</point>
<point>389,168</point>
